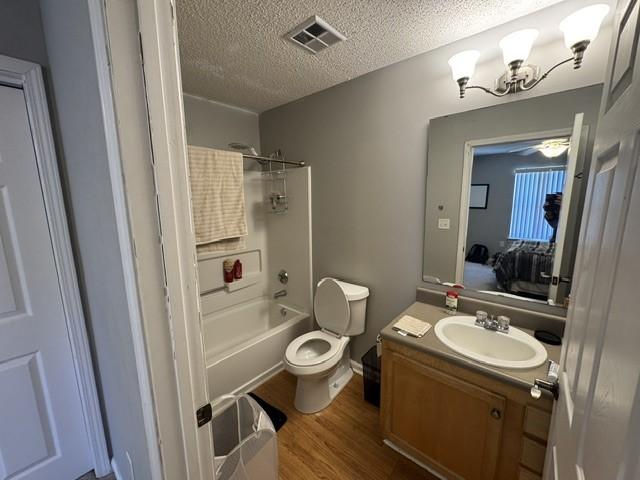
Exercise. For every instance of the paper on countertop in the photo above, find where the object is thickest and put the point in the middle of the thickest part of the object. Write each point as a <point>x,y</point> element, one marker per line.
<point>412,326</point>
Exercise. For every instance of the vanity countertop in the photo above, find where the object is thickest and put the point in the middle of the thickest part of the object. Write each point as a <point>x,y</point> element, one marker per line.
<point>430,344</point>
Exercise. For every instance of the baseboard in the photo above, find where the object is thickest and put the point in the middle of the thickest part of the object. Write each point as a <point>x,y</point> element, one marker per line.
<point>393,446</point>
<point>116,470</point>
<point>356,367</point>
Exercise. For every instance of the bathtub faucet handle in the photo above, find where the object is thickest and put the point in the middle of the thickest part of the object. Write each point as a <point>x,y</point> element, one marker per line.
<point>283,277</point>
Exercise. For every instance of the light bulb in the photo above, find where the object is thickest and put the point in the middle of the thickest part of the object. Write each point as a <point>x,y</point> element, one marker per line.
<point>553,148</point>
<point>584,24</point>
<point>517,45</point>
<point>463,64</point>
<point>553,151</point>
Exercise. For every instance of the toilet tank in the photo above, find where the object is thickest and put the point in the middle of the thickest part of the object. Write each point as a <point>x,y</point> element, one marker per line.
<point>356,295</point>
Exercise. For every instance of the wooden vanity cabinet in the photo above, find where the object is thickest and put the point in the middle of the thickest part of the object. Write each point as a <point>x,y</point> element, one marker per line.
<point>462,423</point>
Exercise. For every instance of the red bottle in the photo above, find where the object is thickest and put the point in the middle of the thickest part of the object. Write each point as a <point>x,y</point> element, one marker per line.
<point>237,270</point>
<point>227,271</point>
<point>452,302</point>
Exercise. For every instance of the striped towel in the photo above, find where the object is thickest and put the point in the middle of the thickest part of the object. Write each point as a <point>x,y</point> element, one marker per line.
<point>217,199</point>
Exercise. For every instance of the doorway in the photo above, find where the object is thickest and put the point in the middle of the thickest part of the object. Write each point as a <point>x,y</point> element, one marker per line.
<point>518,215</point>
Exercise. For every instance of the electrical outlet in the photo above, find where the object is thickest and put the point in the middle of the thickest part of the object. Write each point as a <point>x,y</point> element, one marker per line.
<point>443,223</point>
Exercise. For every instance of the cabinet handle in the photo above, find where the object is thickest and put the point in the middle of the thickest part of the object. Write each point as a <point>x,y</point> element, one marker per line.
<point>495,413</point>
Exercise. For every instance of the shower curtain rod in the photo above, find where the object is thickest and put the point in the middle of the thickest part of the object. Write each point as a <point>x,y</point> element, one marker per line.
<point>268,159</point>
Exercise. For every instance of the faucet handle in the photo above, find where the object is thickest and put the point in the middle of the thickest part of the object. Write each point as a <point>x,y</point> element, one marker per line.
<point>283,277</point>
<point>503,323</point>
<point>481,317</point>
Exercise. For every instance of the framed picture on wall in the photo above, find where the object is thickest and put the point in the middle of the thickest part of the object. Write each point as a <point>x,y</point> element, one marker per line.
<point>479,196</point>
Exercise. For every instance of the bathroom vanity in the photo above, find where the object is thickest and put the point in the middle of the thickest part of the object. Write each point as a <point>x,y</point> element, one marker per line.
<point>461,418</point>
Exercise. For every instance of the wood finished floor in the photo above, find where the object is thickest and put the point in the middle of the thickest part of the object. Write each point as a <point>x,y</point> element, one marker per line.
<point>343,442</point>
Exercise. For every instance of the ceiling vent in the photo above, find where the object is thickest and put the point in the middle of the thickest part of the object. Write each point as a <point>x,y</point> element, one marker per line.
<point>314,34</point>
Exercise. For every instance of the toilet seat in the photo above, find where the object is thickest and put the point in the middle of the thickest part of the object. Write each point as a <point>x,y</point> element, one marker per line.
<point>315,348</point>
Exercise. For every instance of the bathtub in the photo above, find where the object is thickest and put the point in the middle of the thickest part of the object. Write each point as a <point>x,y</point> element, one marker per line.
<point>245,344</point>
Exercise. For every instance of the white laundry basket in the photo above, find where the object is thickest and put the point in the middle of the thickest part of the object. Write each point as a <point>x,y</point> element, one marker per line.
<point>244,440</point>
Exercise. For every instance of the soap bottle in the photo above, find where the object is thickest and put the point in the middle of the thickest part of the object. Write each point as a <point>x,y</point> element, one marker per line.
<point>237,270</point>
<point>227,271</point>
<point>452,302</point>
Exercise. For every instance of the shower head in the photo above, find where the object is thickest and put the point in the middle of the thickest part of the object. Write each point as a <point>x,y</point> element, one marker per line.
<point>243,147</point>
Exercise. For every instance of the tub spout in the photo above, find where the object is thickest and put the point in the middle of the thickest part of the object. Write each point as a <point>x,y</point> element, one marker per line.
<point>280,293</point>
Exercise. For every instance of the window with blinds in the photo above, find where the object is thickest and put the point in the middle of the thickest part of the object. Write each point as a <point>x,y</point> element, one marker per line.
<point>531,187</point>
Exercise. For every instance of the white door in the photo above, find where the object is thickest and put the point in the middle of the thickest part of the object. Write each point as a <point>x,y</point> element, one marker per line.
<point>42,432</point>
<point>562,242</point>
<point>596,424</point>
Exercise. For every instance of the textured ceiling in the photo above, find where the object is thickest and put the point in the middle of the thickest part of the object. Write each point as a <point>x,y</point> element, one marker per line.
<point>233,51</point>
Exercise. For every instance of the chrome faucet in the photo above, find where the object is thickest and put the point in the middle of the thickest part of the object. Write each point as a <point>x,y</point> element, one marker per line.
<point>280,293</point>
<point>501,324</point>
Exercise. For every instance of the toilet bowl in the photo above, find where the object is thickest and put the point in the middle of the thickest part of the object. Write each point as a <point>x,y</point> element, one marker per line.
<point>320,359</point>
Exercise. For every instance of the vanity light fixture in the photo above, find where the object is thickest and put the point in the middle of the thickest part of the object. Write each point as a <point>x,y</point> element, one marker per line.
<point>580,29</point>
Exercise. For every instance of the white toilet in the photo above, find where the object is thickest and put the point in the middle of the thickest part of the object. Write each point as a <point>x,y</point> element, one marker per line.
<point>320,359</point>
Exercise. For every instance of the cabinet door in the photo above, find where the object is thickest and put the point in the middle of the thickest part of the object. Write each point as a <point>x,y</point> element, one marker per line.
<point>453,425</point>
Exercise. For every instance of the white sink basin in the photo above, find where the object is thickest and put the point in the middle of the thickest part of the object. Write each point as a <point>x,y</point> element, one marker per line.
<point>515,349</point>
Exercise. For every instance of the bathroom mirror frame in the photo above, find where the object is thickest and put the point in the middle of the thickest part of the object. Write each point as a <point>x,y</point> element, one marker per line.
<point>513,302</point>
<point>463,141</point>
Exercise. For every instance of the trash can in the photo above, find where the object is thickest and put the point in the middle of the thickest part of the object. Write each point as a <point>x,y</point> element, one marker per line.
<point>244,440</point>
<point>371,366</point>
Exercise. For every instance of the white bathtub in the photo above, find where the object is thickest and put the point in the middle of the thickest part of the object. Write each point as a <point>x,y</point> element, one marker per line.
<point>245,344</point>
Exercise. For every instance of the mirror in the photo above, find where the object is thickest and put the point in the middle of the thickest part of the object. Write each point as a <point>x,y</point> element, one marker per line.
<point>505,193</point>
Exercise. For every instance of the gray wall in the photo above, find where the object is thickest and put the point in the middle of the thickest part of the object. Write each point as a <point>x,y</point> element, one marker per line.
<point>215,125</point>
<point>447,136</point>
<point>490,226</point>
<point>21,34</point>
<point>366,140</point>
<point>82,154</point>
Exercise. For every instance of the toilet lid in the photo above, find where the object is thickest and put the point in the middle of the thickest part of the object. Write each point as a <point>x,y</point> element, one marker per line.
<point>331,307</point>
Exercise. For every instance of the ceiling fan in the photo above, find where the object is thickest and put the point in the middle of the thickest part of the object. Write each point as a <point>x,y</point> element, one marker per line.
<point>550,148</point>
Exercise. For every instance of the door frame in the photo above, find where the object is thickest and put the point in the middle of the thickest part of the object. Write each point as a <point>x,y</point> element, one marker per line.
<point>28,77</point>
<point>561,233</point>
<point>467,165</point>
<point>101,50</point>
<point>157,24</point>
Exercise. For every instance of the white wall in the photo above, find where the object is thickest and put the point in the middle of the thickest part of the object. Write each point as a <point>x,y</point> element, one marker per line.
<point>274,241</point>
<point>367,144</point>
<point>254,257</point>
<point>215,125</point>
<point>289,242</point>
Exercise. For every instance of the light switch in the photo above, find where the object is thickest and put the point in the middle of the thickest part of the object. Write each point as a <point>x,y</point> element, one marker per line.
<point>443,223</point>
